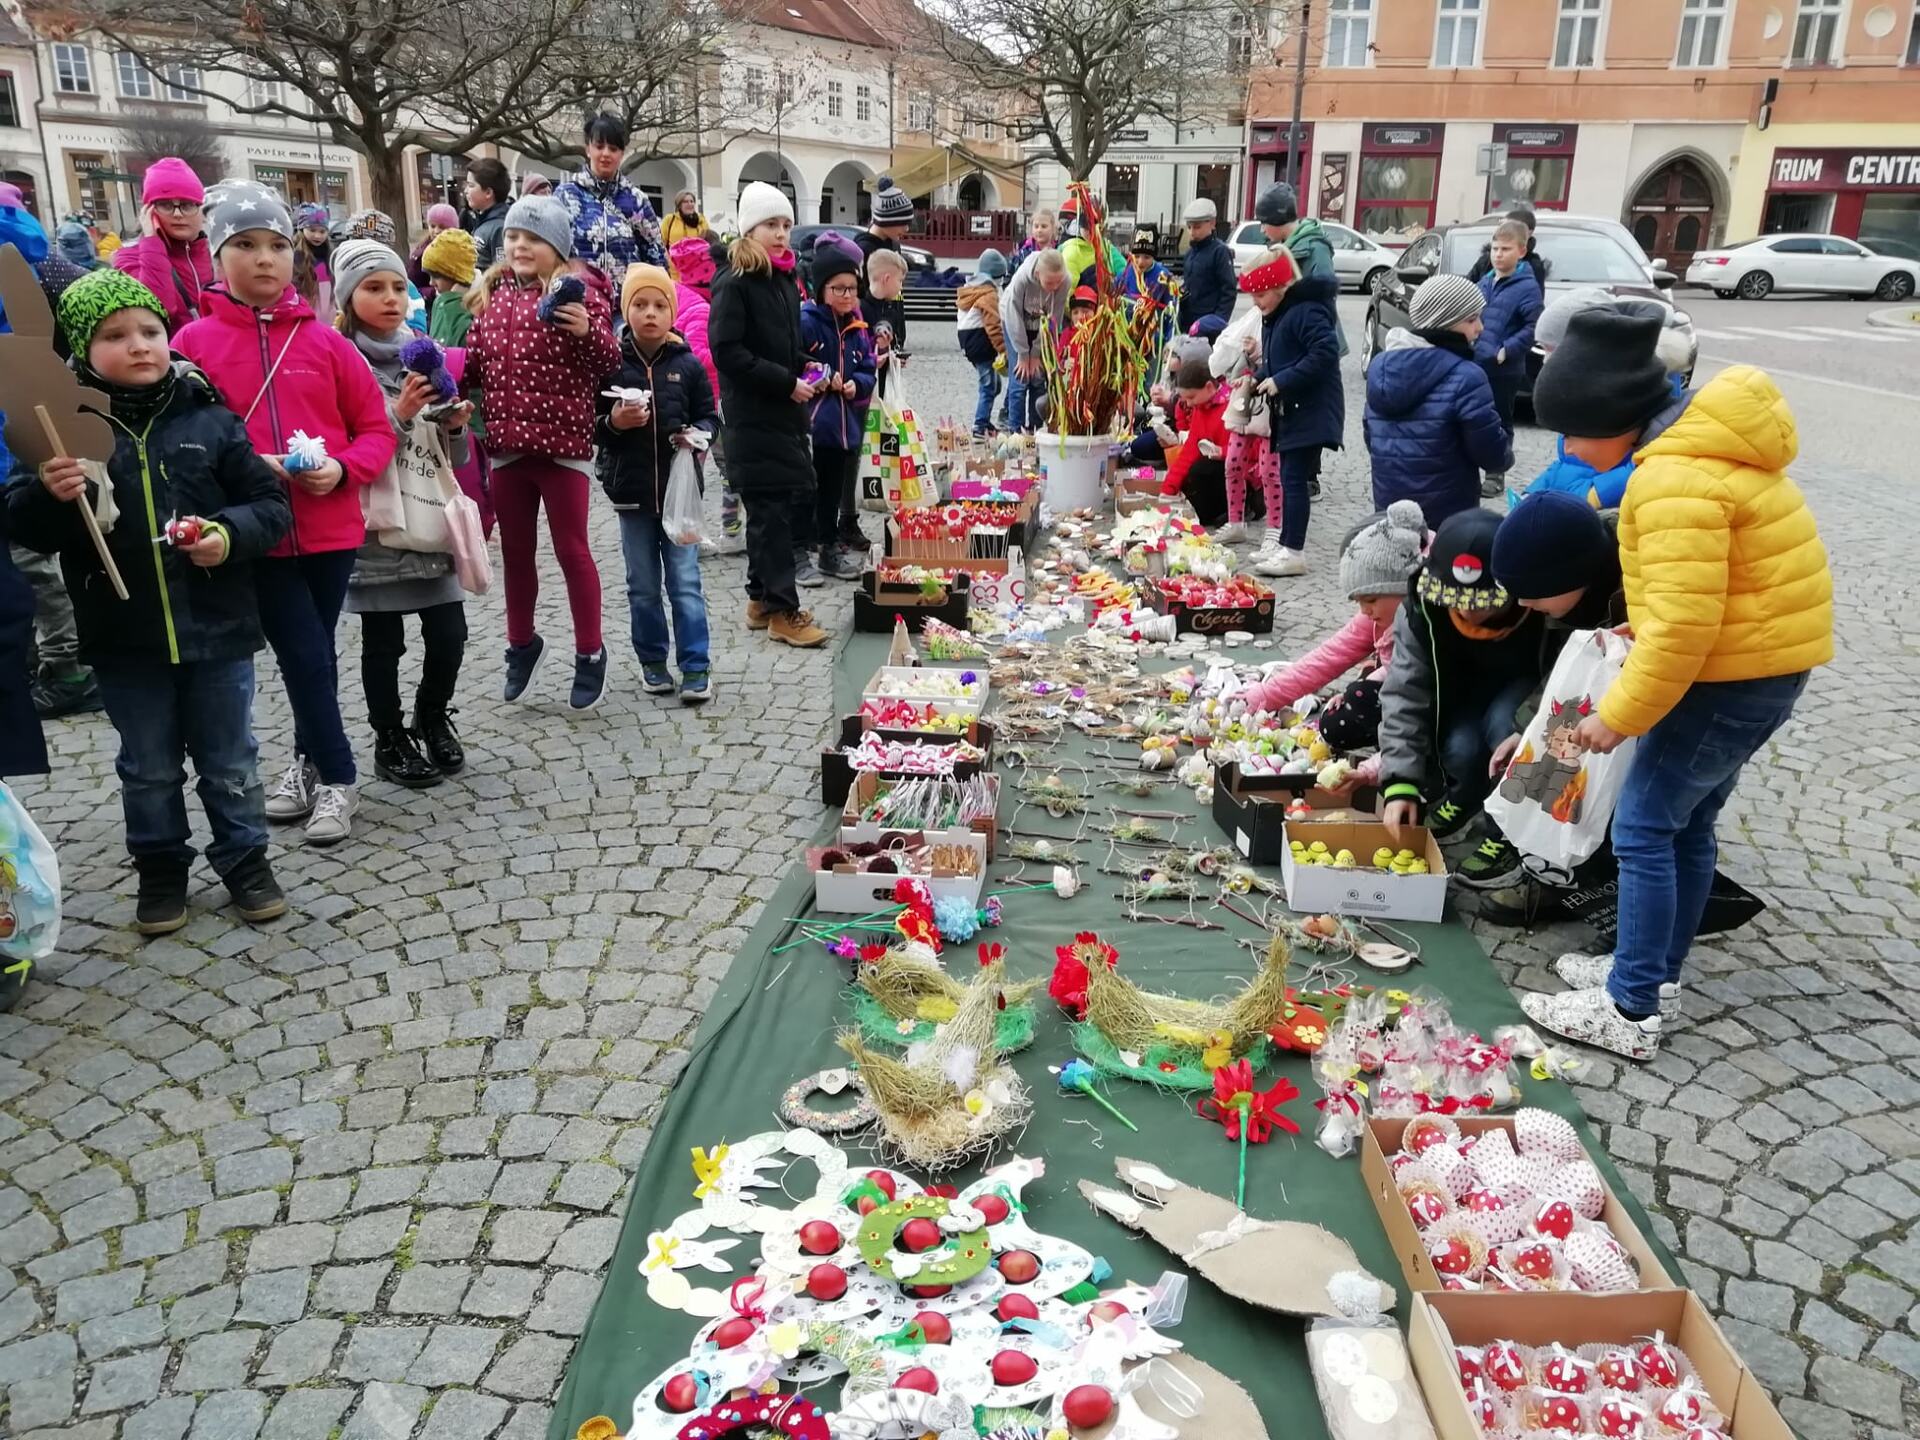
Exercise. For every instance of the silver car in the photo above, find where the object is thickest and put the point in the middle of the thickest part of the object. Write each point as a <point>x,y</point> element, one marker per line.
<point>1357,260</point>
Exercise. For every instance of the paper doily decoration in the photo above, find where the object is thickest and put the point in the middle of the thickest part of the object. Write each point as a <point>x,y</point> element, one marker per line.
<point>793,1415</point>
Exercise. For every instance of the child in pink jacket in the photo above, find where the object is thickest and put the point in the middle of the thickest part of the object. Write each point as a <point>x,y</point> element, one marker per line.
<point>283,373</point>
<point>1379,559</point>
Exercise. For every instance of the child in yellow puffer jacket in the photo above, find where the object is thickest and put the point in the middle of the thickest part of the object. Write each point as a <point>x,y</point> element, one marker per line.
<point>1731,606</point>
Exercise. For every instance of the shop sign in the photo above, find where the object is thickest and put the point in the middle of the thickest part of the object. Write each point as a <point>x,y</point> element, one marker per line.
<point>1402,137</point>
<point>1845,170</point>
<point>1537,137</point>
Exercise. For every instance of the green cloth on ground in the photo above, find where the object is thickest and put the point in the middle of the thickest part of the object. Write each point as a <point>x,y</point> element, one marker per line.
<point>773,1022</point>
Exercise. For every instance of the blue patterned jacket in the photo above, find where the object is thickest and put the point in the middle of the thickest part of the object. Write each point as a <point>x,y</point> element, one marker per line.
<point>613,224</point>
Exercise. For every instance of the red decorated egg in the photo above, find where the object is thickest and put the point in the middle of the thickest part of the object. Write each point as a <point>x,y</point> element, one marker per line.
<point>1422,1134</point>
<point>1468,1360</point>
<point>1534,1261</point>
<point>1426,1206</point>
<point>1622,1420</point>
<point>1086,1406</point>
<point>1452,1256</point>
<point>826,1282</point>
<point>1104,1312</point>
<point>883,1182</point>
<point>1018,1266</point>
<point>866,1205</point>
<point>919,1378</point>
<point>1483,1202</point>
<point>1558,1412</point>
<point>930,1292</point>
<point>1013,1367</point>
<point>1555,1219</point>
<point>819,1237</point>
<point>1016,1307</point>
<point>919,1234</point>
<point>1568,1374</point>
<point>1504,1365</point>
<point>1619,1371</point>
<point>1400,1161</point>
<point>1485,1409</point>
<point>1705,1432</point>
<point>1658,1362</point>
<point>1456,1282</point>
<point>733,1332</point>
<point>993,1208</point>
<point>1682,1410</point>
<point>937,1329</point>
<point>680,1394</point>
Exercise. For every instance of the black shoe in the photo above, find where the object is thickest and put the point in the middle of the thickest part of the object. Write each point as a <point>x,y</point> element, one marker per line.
<point>434,730</point>
<point>1525,905</point>
<point>74,693</point>
<point>1313,488</point>
<point>589,680</point>
<point>256,894</point>
<point>1492,487</point>
<point>162,906</point>
<point>523,663</point>
<point>1493,865</point>
<point>397,759</point>
<point>1450,817</point>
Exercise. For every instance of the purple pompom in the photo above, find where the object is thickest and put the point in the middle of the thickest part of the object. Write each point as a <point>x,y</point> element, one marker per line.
<point>425,358</point>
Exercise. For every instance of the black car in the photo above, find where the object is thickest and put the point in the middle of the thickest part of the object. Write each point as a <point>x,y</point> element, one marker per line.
<point>1577,255</point>
<point>919,262</point>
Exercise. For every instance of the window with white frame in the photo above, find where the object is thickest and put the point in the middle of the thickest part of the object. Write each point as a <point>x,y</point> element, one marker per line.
<point>1456,35</point>
<point>1349,33</point>
<point>182,83</point>
<point>755,86</point>
<point>264,90</point>
<point>1816,32</point>
<point>1247,30</point>
<point>1703,29</point>
<point>836,100</point>
<point>920,111</point>
<point>1576,41</point>
<point>9,102</point>
<point>863,103</point>
<point>136,81</point>
<point>72,70</point>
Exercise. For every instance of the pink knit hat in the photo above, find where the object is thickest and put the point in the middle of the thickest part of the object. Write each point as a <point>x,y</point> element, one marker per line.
<point>170,178</point>
<point>10,195</point>
<point>443,215</point>
<point>692,260</point>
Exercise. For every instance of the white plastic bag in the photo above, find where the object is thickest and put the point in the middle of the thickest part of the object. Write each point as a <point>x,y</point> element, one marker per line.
<point>1555,802</point>
<point>1229,356</point>
<point>29,892</point>
<point>683,517</point>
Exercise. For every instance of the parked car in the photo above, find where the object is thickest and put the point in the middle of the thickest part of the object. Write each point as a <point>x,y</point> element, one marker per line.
<point>1358,259</point>
<point>1655,268</point>
<point>1576,253</point>
<point>1817,264</point>
<point>919,262</point>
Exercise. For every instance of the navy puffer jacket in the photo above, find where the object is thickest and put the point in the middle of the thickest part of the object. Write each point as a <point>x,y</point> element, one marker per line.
<point>1300,353</point>
<point>1208,285</point>
<point>1513,305</point>
<point>1430,424</point>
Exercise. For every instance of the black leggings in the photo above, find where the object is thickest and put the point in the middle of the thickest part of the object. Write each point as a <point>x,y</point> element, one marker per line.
<point>834,472</point>
<point>383,640</point>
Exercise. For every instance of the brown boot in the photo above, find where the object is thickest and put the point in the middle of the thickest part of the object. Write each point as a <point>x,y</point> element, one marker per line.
<point>757,615</point>
<point>796,628</point>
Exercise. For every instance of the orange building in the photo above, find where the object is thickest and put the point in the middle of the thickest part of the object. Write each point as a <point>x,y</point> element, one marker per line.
<point>1693,121</point>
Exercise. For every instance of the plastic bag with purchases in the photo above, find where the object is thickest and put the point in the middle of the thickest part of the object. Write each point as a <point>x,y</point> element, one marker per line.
<point>29,892</point>
<point>683,516</point>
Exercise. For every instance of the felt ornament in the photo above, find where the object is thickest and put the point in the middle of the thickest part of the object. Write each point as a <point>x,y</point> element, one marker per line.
<point>1249,1114</point>
<point>790,1415</point>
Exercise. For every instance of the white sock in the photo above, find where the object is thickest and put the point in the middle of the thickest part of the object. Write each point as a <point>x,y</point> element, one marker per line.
<point>1271,540</point>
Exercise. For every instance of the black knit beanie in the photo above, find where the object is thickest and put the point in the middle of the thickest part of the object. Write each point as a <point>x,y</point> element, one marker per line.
<point>1605,378</point>
<point>1551,543</point>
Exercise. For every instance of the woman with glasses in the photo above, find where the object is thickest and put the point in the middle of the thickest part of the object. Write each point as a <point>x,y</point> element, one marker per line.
<point>171,257</point>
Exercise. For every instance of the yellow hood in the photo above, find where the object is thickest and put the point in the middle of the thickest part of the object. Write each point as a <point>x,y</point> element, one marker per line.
<point>1739,415</point>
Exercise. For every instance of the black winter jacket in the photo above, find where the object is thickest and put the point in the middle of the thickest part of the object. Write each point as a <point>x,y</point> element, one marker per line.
<point>23,748</point>
<point>1300,353</point>
<point>1208,285</point>
<point>754,332</point>
<point>192,458</point>
<point>635,464</point>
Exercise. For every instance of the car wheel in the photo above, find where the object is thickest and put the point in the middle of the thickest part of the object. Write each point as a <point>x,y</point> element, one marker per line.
<point>1370,339</point>
<point>1895,286</point>
<point>1374,277</point>
<point>1755,285</point>
<point>1724,294</point>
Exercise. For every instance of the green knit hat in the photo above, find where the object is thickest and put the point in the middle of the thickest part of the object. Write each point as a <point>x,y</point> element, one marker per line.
<point>88,301</point>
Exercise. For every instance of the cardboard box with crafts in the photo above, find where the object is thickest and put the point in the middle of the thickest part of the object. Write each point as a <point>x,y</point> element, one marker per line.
<point>1253,809</point>
<point>887,594</point>
<point>1653,1362</point>
<point>1341,868</point>
<point>869,790</point>
<point>1531,1210</point>
<point>855,879</point>
<point>943,687</point>
<point>837,770</point>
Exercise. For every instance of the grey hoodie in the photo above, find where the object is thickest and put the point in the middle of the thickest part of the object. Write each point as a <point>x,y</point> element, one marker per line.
<point>1025,305</point>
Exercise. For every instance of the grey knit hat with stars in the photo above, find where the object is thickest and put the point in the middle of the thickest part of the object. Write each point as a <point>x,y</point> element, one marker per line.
<point>237,205</point>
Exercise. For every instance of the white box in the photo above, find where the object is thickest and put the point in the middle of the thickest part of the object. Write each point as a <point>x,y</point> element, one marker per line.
<point>850,892</point>
<point>855,831</point>
<point>1317,889</point>
<point>895,682</point>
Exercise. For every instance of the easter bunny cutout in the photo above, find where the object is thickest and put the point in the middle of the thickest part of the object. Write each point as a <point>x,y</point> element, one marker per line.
<point>42,400</point>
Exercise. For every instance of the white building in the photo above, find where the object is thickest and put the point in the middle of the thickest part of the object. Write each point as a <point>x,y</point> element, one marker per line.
<point>1148,177</point>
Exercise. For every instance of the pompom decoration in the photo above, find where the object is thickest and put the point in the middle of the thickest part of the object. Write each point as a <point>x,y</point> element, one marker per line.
<point>567,290</point>
<point>305,452</point>
<point>956,916</point>
<point>425,358</point>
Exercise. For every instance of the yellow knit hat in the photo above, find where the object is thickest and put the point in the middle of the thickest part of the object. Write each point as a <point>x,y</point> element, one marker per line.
<point>647,277</point>
<point>450,253</point>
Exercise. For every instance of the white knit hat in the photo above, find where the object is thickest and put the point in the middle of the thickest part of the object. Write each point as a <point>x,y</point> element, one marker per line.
<point>760,202</point>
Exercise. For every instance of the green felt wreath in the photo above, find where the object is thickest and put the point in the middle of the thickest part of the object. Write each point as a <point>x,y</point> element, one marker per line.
<point>960,1259</point>
<point>1172,1067</point>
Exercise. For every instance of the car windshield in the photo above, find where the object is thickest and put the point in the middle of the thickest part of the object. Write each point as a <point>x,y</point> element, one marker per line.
<point>1574,257</point>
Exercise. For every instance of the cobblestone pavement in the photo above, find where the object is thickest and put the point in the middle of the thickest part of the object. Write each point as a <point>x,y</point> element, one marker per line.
<point>358,1175</point>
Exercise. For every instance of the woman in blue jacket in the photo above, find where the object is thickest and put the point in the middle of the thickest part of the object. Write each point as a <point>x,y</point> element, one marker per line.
<point>1431,425</point>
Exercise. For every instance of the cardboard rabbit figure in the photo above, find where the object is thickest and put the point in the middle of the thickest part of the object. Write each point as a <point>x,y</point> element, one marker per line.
<point>42,398</point>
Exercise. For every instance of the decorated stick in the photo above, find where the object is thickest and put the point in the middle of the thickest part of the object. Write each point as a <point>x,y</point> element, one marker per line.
<point>1240,1187</point>
<point>86,509</point>
<point>1077,1076</point>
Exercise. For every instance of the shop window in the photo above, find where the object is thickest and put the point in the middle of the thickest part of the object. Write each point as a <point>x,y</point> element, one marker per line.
<point>1703,27</point>
<point>1215,183</point>
<point>1456,35</point>
<point>1123,189</point>
<point>90,195</point>
<point>9,101</point>
<point>1576,41</point>
<point>1349,34</point>
<point>1913,36</point>
<point>1539,181</point>
<point>72,70</point>
<point>1890,224</point>
<point>1396,193</point>
<point>1816,32</point>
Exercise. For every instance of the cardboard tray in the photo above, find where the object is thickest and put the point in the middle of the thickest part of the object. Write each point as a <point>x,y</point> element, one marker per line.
<point>855,831</point>
<point>1382,1139</point>
<point>849,892</point>
<point>837,772</point>
<point>890,682</point>
<point>1315,889</point>
<point>1448,1318</point>
<point>968,550</point>
<point>875,605</point>
<point>1251,809</point>
<point>1210,620</point>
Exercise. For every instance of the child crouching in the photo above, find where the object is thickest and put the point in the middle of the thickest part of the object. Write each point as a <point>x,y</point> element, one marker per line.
<point>390,583</point>
<point>638,442</point>
<point>175,660</point>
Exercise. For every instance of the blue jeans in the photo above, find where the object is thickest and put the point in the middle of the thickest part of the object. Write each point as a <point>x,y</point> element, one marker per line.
<point>1021,395</point>
<point>1471,735</point>
<point>989,389</point>
<point>165,713</point>
<point>1682,773</point>
<point>1298,469</point>
<point>300,598</point>
<point>648,554</point>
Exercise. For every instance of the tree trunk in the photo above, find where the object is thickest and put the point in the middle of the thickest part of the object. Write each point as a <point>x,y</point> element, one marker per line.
<point>386,172</point>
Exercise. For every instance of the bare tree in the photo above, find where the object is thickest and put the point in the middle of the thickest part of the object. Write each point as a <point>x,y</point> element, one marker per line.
<point>379,76</point>
<point>1080,71</point>
<point>151,134</point>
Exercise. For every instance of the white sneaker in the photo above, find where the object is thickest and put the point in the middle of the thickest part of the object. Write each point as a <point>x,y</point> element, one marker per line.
<point>332,819</point>
<point>1282,562</point>
<point>292,796</point>
<point>1232,533</point>
<point>1590,1017</point>
<point>1591,972</point>
<point>1269,547</point>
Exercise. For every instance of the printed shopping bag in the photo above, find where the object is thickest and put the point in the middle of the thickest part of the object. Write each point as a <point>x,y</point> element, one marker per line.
<point>893,456</point>
<point>421,481</point>
<point>1555,801</point>
<point>29,894</point>
<point>467,538</point>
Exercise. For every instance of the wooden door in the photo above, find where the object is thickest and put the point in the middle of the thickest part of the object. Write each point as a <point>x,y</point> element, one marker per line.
<point>1673,213</point>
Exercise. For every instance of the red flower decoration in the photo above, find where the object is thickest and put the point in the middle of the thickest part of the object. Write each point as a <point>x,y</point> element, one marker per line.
<point>871,952</point>
<point>1234,1096</point>
<point>917,927</point>
<point>1068,987</point>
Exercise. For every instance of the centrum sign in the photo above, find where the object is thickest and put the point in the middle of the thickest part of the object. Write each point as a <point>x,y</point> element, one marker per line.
<point>1846,170</point>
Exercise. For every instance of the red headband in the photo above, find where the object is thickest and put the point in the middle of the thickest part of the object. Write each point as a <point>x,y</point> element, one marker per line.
<point>1272,275</point>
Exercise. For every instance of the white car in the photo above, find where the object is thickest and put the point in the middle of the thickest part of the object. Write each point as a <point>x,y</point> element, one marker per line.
<point>1822,264</point>
<point>1358,261</point>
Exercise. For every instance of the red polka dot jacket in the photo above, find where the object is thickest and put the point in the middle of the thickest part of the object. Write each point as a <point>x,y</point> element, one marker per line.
<point>539,381</point>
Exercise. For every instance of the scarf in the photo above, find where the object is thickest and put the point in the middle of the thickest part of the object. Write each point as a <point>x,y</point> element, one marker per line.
<point>132,405</point>
<point>1484,632</point>
<point>382,352</point>
<point>784,262</point>
<point>1448,340</point>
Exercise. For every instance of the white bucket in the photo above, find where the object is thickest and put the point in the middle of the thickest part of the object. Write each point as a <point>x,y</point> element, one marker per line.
<point>1073,468</point>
